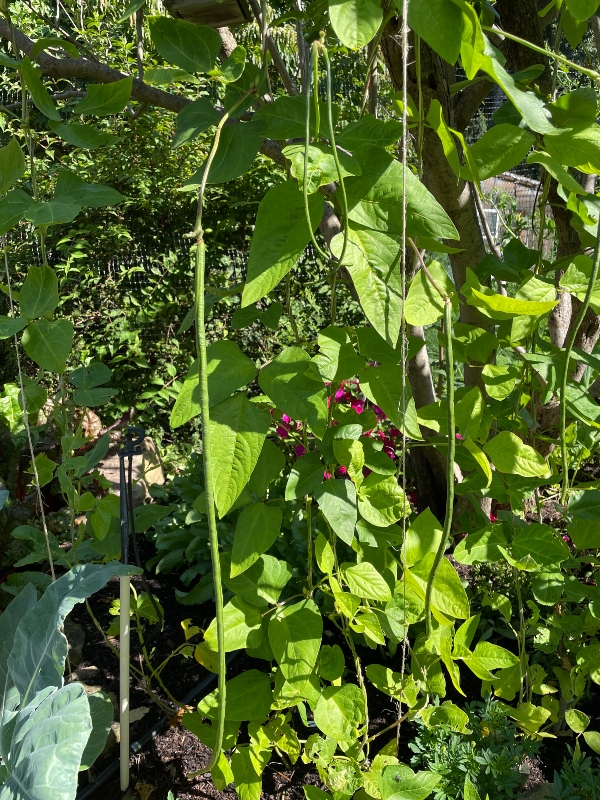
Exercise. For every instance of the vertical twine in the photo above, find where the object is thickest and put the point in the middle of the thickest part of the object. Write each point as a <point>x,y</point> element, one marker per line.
<point>26,419</point>
<point>404,45</point>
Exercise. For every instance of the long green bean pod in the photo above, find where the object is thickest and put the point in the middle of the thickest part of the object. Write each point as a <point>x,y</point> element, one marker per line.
<point>449,462</point>
<point>213,537</point>
<point>314,62</point>
<point>336,157</point>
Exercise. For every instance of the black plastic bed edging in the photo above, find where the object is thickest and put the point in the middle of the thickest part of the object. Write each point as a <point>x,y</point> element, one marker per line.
<point>87,791</point>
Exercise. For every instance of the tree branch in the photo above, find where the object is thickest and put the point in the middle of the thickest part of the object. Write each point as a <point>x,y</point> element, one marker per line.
<point>278,61</point>
<point>94,71</point>
<point>68,68</point>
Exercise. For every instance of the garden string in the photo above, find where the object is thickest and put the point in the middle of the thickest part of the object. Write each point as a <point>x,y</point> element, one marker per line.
<point>565,375</point>
<point>26,419</point>
<point>27,128</point>
<point>404,35</point>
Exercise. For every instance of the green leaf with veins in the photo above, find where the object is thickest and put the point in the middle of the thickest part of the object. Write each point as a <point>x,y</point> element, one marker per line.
<point>248,697</point>
<point>238,147</point>
<point>481,547</point>
<point>499,150</point>
<point>321,165</point>
<point>56,212</point>
<point>509,454</point>
<point>257,528</point>
<point>39,293</point>
<point>376,199</point>
<point>228,369</point>
<point>355,22</point>
<point>12,164</point>
<point>295,633</point>
<point>262,583</point>
<point>337,360</point>
<point>49,343</point>
<point>306,475</point>
<point>191,47</point>
<point>372,260</point>
<point>285,117</point>
<point>238,429</point>
<point>13,208</point>
<point>105,99</point>
<point>39,93</point>
<point>365,581</point>
<point>292,381</point>
<point>242,624</point>
<point>194,120</point>
<point>448,595</point>
<point>280,237</point>
<point>84,136</point>
<point>424,305</point>
<point>337,502</point>
<point>381,500</point>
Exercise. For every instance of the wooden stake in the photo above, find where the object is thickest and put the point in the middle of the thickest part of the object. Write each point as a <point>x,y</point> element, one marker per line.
<point>124,681</point>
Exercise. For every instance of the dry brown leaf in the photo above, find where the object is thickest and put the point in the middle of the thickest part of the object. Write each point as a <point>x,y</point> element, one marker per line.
<point>175,721</point>
<point>144,790</point>
<point>136,714</point>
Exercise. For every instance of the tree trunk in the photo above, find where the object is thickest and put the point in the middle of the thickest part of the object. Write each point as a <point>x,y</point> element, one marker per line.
<point>454,195</point>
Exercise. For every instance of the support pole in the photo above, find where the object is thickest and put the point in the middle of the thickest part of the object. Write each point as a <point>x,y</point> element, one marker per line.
<point>124,641</point>
<point>132,446</point>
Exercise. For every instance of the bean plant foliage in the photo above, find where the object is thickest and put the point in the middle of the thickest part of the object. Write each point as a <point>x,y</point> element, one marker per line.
<point>328,436</point>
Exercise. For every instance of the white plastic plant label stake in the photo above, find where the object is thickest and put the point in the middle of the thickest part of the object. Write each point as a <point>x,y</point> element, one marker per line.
<point>124,681</point>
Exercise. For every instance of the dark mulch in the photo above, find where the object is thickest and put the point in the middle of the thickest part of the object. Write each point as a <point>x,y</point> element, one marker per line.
<point>175,752</point>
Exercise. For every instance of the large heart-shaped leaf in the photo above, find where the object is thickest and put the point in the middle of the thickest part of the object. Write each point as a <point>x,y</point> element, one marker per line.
<point>194,120</point>
<point>105,99</point>
<point>194,48</point>
<point>280,237</point>
<point>372,259</point>
<point>295,633</point>
<point>39,93</point>
<point>292,381</point>
<point>12,164</point>
<point>238,429</point>
<point>228,369</point>
<point>242,624</point>
<point>355,22</point>
<point>13,208</point>
<point>257,529</point>
<point>235,154</point>
<point>39,293</point>
<point>49,343</point>
<point>340,711</point>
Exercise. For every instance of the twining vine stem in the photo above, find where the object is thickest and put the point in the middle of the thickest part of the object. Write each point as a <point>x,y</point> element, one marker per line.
<point>570,343</point>
<point>317,48</point>
<point>451,439</point>
<point>591,73</point>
